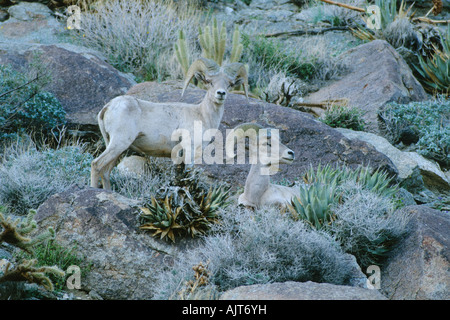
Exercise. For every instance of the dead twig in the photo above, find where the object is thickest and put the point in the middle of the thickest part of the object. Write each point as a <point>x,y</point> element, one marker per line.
<point>428,20</point>
<point>343,5</point>
<point>19,87</point>
<point>302,32</point>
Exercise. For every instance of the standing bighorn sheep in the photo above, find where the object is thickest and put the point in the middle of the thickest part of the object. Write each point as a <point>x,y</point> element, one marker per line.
<point>147,127</point>
<point>258,190</point>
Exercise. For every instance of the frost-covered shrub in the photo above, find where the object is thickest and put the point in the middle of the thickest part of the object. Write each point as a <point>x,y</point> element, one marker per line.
<point>138,36</point>
<point>428,121</point>
<point>366,223</point>
<point>29,176</point>
<point>258,247</point>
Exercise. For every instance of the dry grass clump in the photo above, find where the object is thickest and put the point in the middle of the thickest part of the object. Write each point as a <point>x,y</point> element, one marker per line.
<point>138,36</point>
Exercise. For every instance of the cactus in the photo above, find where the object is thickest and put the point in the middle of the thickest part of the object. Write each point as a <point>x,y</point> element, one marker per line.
<point>181,50</point>
<point>213,41</point>
<point>15,233</point>
<point>237,46</point>
<point>26,271</point>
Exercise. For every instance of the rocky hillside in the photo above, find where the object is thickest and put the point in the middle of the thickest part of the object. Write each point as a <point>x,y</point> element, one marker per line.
<point>304,60</point>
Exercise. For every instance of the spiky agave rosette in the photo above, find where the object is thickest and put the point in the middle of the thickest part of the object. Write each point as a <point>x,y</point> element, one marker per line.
<point>321,190</point>
<point>185,209</point>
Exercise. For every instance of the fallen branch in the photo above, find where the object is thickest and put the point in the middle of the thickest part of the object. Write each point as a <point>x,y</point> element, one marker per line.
<point>302,32</point>
<point>428,20</point>
<point>325,104</point>
<point>19,87</point>
<point>343,5</point>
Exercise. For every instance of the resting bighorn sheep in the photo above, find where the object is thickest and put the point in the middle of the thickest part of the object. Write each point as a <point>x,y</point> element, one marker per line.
<point>147,127</point>
<point>259,191</point>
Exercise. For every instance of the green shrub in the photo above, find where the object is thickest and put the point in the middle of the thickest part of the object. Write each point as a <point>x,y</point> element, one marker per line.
<point>344,117</point>
<point>273,54</point>
<point>51,253</point>
<point>429,120</point>
<point>24,108</point>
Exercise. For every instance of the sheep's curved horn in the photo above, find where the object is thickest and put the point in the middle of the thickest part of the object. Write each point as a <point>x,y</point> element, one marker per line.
<point>229,143</point>
<point>238,71</point>
<point>201,65</point>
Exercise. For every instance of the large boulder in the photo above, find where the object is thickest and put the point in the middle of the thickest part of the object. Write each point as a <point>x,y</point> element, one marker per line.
<point>418,268</point>
<point>81,79</point>
<point>312,141</point>
<point>104,225</point>
<point>301,291</point>
<point>414,171</point>
<point>29,10</point>
<point>31,22</point>
<point>377,74</point>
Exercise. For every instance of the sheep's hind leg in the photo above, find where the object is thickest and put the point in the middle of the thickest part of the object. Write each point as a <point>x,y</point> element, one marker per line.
<point>102,166</point>
<point>106,181</point>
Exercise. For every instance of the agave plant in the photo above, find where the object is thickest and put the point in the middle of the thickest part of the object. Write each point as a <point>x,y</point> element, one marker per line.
<point>377,180</point>
<point>435,71</point>
<point>161,219</point>
<point>189,208</point>
<point>313,203</point>
<point>321,190</point>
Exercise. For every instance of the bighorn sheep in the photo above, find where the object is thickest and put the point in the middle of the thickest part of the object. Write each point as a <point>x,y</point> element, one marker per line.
<point>147,127</point>
<point>259,191</point>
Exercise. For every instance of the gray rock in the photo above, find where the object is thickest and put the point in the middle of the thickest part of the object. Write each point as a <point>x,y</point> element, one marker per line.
<point>414,171</point>
<point>311,140</point>
<point>377,75</point>
<point>81,80</point>
<point>301,291</point>
<point>104,227</point>
<point>418,268</point>
<point>26,11</point>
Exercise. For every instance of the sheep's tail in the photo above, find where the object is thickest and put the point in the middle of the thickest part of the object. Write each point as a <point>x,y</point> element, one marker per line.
<point>101,124</point>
